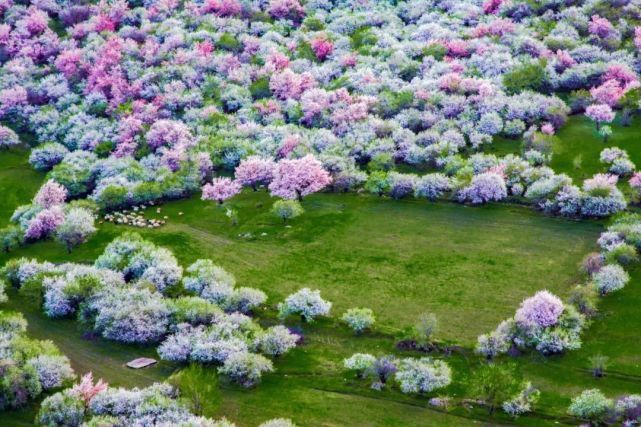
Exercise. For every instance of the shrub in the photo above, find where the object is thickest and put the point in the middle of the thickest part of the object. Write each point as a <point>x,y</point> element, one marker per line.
<point>523,402</point>
<point>610,278</point>
<point>623,254</point>
<point>62,409</point>
<point>530,76</point>
<point>359,319</point>
<point>287,209</point>
<point>307,303</point>
<point>423,375</point>
<point>590,405</point>
<point>360,363</point>
<point>277,340</point>
<point>76,228</point>
<point>246,368</point>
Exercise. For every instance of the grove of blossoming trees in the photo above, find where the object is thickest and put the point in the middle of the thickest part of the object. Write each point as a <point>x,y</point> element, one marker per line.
<point>123,105</point>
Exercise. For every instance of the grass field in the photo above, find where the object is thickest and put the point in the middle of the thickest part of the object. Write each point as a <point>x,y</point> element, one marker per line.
<point>470,266</point>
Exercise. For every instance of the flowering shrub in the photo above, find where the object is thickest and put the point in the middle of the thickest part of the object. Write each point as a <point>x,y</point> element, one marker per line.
<point>485,187</point>
<point>359,319</point>
<point>97,404</point>
<point>422,375</point>
<point>610,278</point>
<point>542,322</point>
<point>590,405</point>
<point>360,363</point>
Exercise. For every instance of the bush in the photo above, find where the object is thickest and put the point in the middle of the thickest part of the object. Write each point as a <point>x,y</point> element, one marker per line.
<point>359,319</point>
<point>246,368</point>
<point>590,405</point>
<point>287,209</point>
<point>524,77</point>
<point>62,409</point>
<point>307,303</point>
<point>277,340</point>
<point>423,375</point>
<point>610,278</point>
<point>360,363</point>
<point>623,254</point>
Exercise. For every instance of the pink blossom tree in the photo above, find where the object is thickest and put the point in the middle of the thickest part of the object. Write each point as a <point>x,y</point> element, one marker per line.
<point>296,178</point>
<point>221,189</point>
<point>600,113</point>
<point>51,194</point>
<point>86,389</point>
<point>254,171</point>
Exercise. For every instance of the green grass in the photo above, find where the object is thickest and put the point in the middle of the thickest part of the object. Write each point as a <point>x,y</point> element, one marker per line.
<point>470,266</point>
<point>18,181</point>
<point>579,138</point>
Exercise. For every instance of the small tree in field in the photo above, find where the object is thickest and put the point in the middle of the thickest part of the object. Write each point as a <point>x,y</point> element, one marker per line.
<point>495,384</point>
<point>76,228</point>
<point>287,209</point>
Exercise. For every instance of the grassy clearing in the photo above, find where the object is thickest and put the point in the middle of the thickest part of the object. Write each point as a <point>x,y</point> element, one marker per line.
<point>471,266</point>
<point>577,153</point>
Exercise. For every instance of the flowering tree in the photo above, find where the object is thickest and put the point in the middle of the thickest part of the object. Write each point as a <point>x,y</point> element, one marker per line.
<point>541,310</point>
<point>359,319</point>
<point>423,375</point>
<point>254,171</point>
<point>8,138</point>
<point>485,187</point>
<point>76,228</point>
<point>220,190</point>
<point>307,303</point>
<point>51,194</point>
<point>296,178</point>
<point>600,113</point>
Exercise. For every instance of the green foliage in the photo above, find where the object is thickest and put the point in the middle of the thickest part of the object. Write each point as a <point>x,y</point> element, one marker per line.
<point>198,385</point>
<point>377,183</point>
<point>623,254</point>
<point>391,103</point>
<point>312,23</point>
<point>229,43</point>
<point>304,51</point>
<point>381,162</point>
<point>10,237</point>
<point>524,77</point>
<point>494,384</point>
<point>362,37</point>
<point>260,88</point>
<point>113,197</point>
<point>104,149</point>
<point>435,50</point>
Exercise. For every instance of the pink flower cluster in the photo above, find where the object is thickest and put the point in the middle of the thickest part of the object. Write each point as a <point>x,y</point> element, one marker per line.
<point>288,84</point>
<point>286,9</point>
